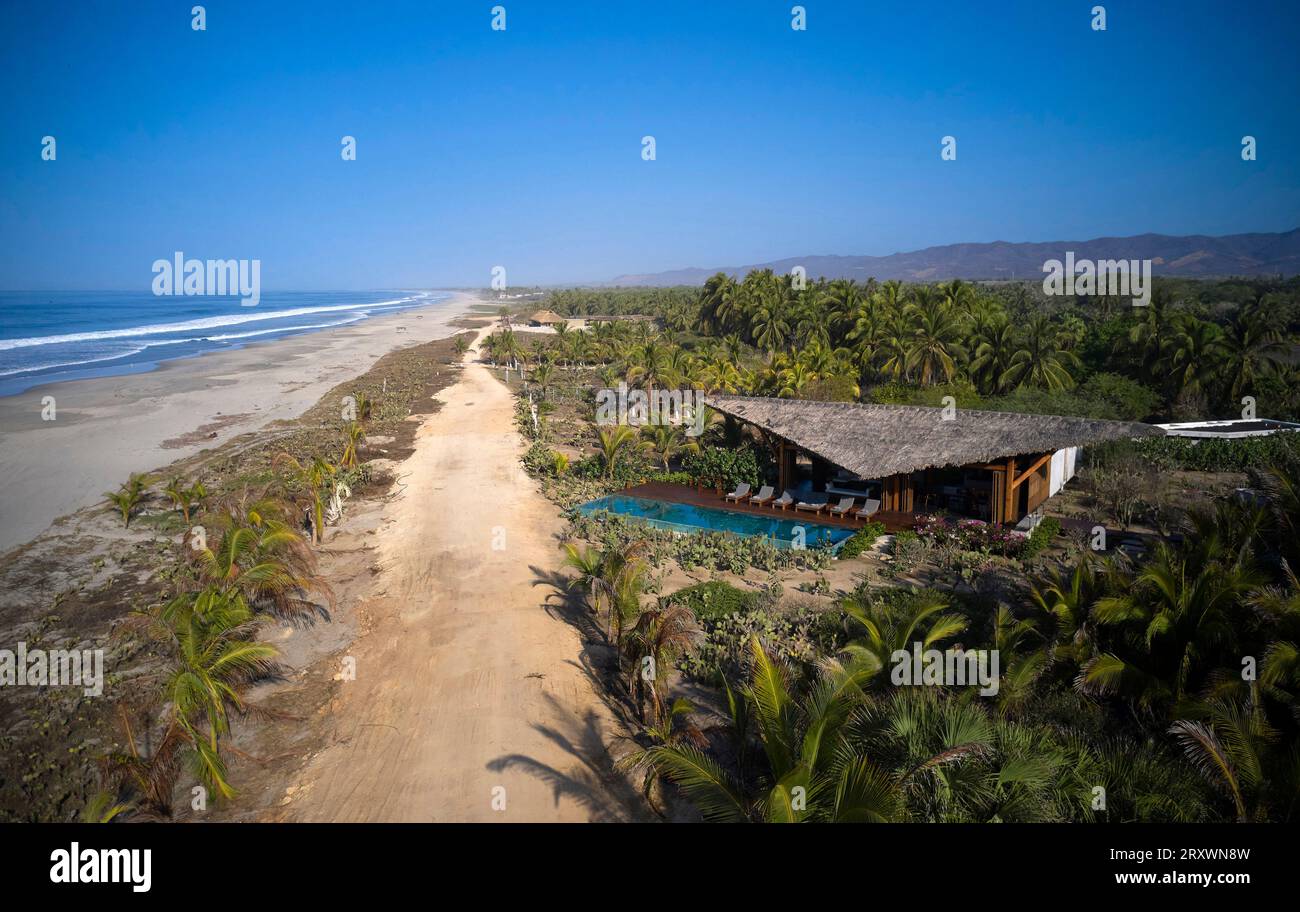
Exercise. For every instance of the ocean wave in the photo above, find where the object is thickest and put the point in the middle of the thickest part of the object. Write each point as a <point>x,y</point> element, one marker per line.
<point>213,322</point>
<point>225,337</point>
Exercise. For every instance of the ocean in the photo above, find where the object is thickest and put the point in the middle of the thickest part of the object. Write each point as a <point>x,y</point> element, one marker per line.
<point>50,336</point>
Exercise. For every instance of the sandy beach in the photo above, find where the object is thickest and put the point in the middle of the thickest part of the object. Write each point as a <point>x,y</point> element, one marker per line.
<point>108,427</point>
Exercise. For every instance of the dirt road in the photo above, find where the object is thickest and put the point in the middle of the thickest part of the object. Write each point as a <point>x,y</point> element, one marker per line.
<point>471,701</point>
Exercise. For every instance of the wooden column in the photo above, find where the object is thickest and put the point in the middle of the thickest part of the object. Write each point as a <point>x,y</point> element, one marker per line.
<point>998,494</point>
<point>1008,506</point>
<point>896,494</point>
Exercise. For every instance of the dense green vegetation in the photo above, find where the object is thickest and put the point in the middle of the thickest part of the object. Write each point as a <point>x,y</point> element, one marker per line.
<point>1194,352</point>
<point>1219,455</point>
<point>1157,688</point>
<point>1160,691</point>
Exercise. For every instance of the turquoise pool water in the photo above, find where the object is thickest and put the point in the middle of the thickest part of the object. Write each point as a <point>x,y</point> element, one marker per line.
<point>688,518</point>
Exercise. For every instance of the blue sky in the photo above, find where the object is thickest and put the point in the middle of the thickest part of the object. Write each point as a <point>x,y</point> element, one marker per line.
<point>523,148</point>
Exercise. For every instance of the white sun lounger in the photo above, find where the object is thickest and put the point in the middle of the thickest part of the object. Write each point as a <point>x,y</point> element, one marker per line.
<point>741,492</point>
<point>812,506</point>
<point>784,500</point>
<point>869,508</point>
<point>764,495</point>
<point>843,507</point>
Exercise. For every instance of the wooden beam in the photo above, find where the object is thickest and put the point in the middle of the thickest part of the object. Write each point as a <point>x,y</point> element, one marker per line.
<point>1031,470</point>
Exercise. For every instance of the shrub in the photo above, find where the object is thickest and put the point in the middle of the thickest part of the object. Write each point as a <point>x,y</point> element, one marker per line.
<point>1236,455</point>
<point>895,393</point>
<point>680,478</point>
<point>862,539</point>
<point>1042,536</point>
<point>713,600</point>
<point>798,630</point>
<point>1127,399</point>
<point>728,466</point>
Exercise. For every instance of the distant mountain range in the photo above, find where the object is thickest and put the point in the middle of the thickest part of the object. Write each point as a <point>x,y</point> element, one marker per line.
<point>1194,255</point>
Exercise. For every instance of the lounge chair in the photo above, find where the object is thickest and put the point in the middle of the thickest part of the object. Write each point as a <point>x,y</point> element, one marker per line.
<point>741,492</point>
<point>868,509</point>
<point>764,495</point>
<point>843,507</point>
<point>814,506</point>
<point>783,501</point>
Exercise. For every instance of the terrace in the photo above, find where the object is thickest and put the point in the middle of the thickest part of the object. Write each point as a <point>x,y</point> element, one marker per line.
<point>708,498</point>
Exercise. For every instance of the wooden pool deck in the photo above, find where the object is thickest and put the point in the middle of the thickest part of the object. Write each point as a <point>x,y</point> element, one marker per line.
<point>689,494</point>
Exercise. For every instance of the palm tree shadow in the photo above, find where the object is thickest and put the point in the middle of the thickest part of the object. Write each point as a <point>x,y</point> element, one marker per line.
<point>598,660</point>
<point>567,605</point>
<point>593,782</point>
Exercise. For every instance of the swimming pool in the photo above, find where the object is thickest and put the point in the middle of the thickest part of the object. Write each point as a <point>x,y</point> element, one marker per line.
<point>680,517</point>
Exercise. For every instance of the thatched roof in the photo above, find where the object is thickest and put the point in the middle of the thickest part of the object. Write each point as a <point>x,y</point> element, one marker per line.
<point>546,316</point>
<point>874,441</point>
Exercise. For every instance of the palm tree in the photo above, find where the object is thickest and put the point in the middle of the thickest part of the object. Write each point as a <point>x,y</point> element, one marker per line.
<point>215,660</point>
<point>934,344</point>
<point>1040,362</point>
<point>352,438</point>
<point>614,441</point>
<point>668,441</point>
<point>889,626</point>
<point>128,497</point>
<point>185,498</point>
<point>1178,618</point>
<point>1067,596</point>
<point>1252,347</point>
<point>896,346</point>
<point>995,346</point>
<point>812,771</point>
<point>673,729</point>
<point>264,561</point>
<point>316,477</point>
<point>768,327</point>
<point>719,301</point>
<point>624,570</point>
<point>662,634</point>
<point>1148,340</point>
<point>1240,753</point>
<point>543,374</point>
<point>587,563</point>
<point>1195,355</point>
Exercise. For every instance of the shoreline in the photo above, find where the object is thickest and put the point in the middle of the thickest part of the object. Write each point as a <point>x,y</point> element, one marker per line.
<point>106,428</point>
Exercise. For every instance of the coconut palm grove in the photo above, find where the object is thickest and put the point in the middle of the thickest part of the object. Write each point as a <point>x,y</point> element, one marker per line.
<point>1150,678</point>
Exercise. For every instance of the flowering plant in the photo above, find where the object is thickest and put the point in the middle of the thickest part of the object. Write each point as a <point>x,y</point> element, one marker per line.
<point>970,535</point>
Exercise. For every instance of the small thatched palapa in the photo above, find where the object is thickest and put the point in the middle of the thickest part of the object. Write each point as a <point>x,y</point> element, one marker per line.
<point>876,441</point>
<point>546,317</point>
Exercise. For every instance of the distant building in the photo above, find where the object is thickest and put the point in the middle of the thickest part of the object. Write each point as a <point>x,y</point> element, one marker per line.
<point>1228,430</point>
<point>546,318</point>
